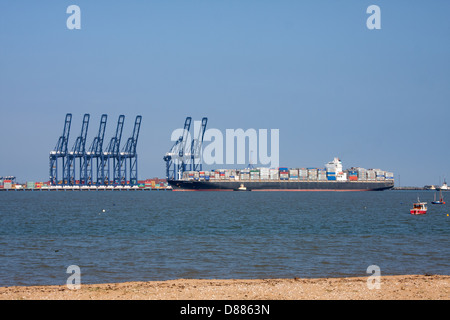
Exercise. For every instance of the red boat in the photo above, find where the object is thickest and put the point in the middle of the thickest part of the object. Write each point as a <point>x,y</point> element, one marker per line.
<point>419,207</point>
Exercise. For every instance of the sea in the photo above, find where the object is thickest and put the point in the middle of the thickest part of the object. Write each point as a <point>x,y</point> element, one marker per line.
<point>122,236</point>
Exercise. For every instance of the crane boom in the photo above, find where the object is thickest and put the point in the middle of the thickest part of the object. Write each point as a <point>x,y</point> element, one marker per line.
<point>60,151</point>
<point>76,152</point>
<point>128,169</point>
<point>196,147</point>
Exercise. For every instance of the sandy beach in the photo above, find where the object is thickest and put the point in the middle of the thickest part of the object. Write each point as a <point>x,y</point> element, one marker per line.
<point>405,287</point>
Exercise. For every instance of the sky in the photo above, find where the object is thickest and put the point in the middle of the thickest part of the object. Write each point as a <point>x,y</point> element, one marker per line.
<point>375,98</point>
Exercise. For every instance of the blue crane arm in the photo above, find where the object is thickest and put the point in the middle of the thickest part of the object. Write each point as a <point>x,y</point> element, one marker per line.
<point>97,145</point>
<point>137,127</point>
<point>130,148</point>
<point>187,126</point>
<point>197,143</point>
<point>79,145</point>
<point>61,146</point>
<point>114,143</point>
<point>118,134</point>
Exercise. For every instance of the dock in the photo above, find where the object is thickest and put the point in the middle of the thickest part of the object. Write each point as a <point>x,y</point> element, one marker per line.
<point>85,189</point>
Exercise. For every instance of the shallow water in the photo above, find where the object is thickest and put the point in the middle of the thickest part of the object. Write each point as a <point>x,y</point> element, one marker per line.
<point>157,235</point>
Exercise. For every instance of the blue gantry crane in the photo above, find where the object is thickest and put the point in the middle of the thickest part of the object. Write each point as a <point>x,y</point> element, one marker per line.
<point>78,152</point>
<point>196,147</point>
<point>175,159</point>
<point>95,152</point>
<point>110,165</point>
<point>60,152</point>
<point>128,157</point>
<point>112,155</point>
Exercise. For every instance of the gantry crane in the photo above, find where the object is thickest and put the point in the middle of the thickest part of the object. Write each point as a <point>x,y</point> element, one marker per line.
<point>196,147</point>
<point>96,152</point>
<point>128,157</point>
<point>175,158</point>
<point>112,154</point>
<point>78,152</point>
<point>60,152</point>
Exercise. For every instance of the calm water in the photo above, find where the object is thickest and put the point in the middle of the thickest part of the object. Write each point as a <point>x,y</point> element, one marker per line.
<point>166,235</point>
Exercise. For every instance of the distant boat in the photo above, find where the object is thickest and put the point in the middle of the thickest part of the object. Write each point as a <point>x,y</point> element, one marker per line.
<point>419,207</point>
<point>441,199</point>
<point>242,188</point>
<point>443,187</point>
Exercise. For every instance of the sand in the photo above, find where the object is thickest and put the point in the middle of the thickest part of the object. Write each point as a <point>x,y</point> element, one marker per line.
<point>405,287</point>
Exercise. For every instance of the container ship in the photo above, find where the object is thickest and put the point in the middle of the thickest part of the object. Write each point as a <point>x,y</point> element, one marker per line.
<point>330,178</point>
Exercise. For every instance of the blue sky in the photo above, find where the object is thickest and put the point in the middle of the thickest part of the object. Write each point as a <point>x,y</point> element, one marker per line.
<point>312,69</point>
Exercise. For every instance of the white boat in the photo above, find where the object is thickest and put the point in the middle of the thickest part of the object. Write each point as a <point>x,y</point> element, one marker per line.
<point>444,187</point>
<point>242,188</point>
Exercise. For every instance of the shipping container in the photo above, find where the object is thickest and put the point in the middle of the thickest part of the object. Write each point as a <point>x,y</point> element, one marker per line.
<point>284,175</point>
<point>312,174</point>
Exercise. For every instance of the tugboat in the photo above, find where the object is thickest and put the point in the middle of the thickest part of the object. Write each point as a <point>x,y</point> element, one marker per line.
<point>242,188</point>
<point>419,207</point>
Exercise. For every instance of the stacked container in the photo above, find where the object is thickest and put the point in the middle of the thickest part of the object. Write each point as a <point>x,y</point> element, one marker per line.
<point>352,175</point>
<point>293,174</point>
<point>254,174</point>
<point>312,174</point>
<point>30,185</point>
<point>303,174</point>
<point>389,176</point>
<point>273,174</point>
<point>371,175</point>
<point>331,176</point>
<point>380,175</point>
<point>284,173</point>
<point>264,173</point>
<point>362,174</point>
<point>7,184</point>
<point>321,174</point>
<point>245,174</point>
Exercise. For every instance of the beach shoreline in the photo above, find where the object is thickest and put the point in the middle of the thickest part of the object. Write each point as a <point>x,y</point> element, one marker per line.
<point>397,287</point>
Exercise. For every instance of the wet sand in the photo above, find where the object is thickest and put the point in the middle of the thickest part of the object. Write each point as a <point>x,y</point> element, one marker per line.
<point>406,287</point>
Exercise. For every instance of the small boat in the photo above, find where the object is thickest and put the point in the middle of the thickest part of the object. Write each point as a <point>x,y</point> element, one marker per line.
<point>441,199</point>
<point>419,207</point>
<point>242,188</point>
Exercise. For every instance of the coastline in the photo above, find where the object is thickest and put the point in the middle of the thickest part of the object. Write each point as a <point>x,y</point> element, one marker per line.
<point>399,287</point>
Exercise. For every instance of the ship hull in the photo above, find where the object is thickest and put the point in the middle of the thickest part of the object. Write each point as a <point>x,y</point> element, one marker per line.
<point>184,185</point>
